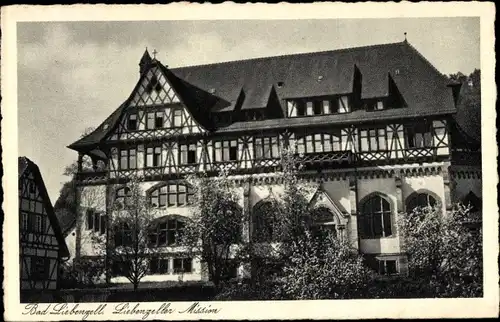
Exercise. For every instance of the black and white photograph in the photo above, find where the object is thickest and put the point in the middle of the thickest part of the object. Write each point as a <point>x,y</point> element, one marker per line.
<point>199,163</point>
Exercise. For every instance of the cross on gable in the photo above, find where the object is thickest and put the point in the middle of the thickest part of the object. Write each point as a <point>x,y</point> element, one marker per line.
<point>154,53</point>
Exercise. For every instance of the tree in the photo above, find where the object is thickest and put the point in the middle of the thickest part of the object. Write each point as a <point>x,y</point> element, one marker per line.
<point>215,226</point>
<point>314,264</point>
<point>444,251</point>
<point>129,248</point>
<point>324,268</point>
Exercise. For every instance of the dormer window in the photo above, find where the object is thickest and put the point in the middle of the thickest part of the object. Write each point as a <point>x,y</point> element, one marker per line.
<point>309,106</point>
<point>132,122</point>
<point>378,106</point>
<point>301,108</point>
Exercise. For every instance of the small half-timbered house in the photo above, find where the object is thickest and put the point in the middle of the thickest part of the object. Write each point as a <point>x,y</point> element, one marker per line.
<point>41,243</point>
<point>375,127</point>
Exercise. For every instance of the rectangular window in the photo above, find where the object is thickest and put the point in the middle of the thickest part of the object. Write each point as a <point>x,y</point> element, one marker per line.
<point>177,118</point>
<point>309,105</point>
<point>90,220</point>
<point>326,107</point>
<point>153,156</point>
<point>334,105</point>
<point>188,154</point>
<point>418,136</point>
<point>266,147</point>
<point>373,139</point>
<point>132,122</point>
<point>301,108</point>
<point>226,150</point>
<point>38,224</point>
<point>150,122</point>
<point>158,265</point>
<point>128,159</point>
<point>183,265</point>
<point>40,267</point>
<point>317,107</point>
<point>344,104</point>
<point>388,267</point>
<point>158,120</point>
<point>379,105</point>
<point>25,222</point>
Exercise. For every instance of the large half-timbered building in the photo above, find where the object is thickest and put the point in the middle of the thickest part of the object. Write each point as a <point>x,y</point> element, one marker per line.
<point>375,127</point>
<point>41,244</point>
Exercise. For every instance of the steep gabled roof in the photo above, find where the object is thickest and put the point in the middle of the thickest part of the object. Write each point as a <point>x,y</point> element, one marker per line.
<point>25,164</point>
<point>326,73</point>
<point>248,84</point>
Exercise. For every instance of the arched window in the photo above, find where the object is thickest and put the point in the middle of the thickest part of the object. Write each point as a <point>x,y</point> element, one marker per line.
<point>124,196</point>
<point>167,231</point>
<point>171,195</point>
<point>263,222</point>
<point>323,224</point>
<point>375,218</point>
<point>420,200</point>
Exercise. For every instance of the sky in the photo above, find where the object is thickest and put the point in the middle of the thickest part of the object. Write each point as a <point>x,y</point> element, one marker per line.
<point>72,75</point>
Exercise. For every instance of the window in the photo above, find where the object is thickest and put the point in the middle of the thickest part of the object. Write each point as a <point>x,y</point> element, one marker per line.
<point>309,108</point>
<point>177,117</point>
<point>420,200</point>
<point>317,107</point>
<point>226,151</point>
<point>167,233</point>
<point>159,120</point>
<point>123,235</point>
<point>323,225</point>
<point>96,221</point>
<point>373,139</point>
<point>266,148</point>
<point>154,120</point>
<point>158,265</point>
<point>24,222</point>
<point>188,154</point>
<point>128,159</point>
<point>343,104</point>
<point>387,267</point>
<point>326,107</point>
<point>317,143</point>
<point>40,267</point>
<point>263,223</point>
<point>183,265</point>
<point>301,108</point>
<point>38,224</point>
<point>375,218</point>
<point>153,156</point>
<point>171,195</point>
<point>132,122</point>
<point>124,196</point>
<point>418,136</point>
<point>378,106</point>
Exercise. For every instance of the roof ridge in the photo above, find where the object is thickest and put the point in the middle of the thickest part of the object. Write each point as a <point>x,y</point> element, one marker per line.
<point>289,55</point>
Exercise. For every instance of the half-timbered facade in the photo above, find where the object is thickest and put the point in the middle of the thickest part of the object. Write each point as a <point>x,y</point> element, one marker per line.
<point>41,243</point>
<point>375,128</point>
